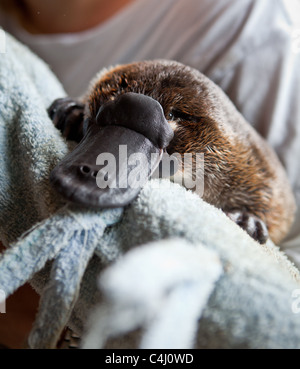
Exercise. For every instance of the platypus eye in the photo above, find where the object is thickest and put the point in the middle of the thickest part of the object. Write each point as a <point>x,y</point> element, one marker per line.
<point>171,116</point>
<point>180,115</point>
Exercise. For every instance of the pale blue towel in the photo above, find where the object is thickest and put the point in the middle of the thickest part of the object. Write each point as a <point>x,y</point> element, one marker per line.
<point>245,301</point>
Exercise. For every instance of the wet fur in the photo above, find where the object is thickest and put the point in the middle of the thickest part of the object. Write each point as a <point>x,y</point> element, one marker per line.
<point>241,171</point>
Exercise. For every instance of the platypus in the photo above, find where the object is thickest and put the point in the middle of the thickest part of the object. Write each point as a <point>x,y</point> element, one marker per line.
<point>159,105</point>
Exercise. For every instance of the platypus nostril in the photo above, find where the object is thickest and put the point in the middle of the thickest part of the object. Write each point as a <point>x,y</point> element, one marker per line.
<point>85,170</point>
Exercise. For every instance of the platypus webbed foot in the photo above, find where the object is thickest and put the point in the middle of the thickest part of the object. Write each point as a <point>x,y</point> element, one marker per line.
<point>67,116</point>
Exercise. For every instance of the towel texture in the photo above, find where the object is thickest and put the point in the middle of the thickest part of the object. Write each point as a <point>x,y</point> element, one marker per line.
<point>167,271</point>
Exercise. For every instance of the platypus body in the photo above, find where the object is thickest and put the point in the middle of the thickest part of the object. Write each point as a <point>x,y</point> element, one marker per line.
<point>169,106</point>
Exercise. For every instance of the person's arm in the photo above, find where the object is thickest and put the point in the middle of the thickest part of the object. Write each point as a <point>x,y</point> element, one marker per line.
<point>261,75</point>
<point>56,16</point>
<point>265,87</point>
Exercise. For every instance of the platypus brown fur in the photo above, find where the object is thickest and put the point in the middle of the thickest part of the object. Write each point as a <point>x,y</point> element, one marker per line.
<point>242,174</point>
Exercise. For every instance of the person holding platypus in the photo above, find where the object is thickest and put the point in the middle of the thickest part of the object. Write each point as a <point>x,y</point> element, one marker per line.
<point>240,45</point>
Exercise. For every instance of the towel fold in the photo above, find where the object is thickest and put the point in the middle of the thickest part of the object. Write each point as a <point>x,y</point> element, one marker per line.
<point>186,275</point>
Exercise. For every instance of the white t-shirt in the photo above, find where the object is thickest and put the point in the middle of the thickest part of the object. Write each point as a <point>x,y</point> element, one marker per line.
<point>251,48</point>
